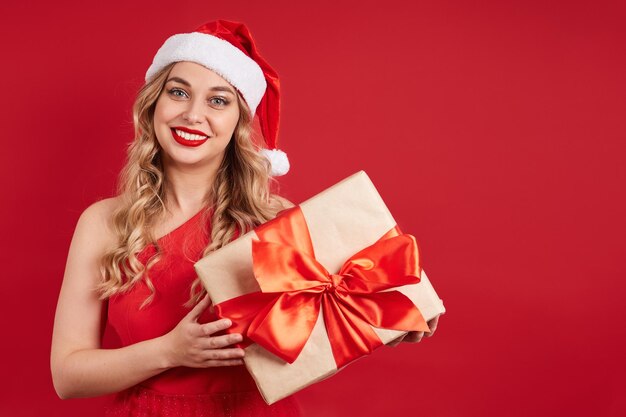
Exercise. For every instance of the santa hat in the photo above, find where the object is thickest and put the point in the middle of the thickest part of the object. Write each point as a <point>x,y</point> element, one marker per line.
<point>227,48</point>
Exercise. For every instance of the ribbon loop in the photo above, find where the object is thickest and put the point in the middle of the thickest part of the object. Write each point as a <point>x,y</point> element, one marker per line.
<point>296,288</point>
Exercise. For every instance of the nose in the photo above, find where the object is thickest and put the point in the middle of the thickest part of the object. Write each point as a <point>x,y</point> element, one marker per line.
<point>193,112</point>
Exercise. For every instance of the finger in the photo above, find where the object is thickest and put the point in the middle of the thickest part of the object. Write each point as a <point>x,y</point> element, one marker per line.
<point>208,329</point>
<point>395,342</point>
<point>234,353</point>
<point>218,342</point>
<point>414,337</point>
<point>199,308</point>
<point>230,362</point>
<point>432,325</point>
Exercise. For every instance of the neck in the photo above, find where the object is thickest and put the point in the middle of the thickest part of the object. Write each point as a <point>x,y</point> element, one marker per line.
<point>187,188</point>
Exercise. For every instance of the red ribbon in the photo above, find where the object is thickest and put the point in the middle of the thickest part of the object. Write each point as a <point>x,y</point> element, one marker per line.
<point>295,286</point>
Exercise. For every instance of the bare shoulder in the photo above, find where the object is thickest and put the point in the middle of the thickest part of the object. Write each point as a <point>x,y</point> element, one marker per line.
<point>101,210</point>
<point>96,221</point>
<point>93,238</point>
<point>283,202</point>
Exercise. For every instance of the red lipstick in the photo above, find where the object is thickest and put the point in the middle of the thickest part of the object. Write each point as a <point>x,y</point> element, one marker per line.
<point>187,142</point>
<point>186,129</point>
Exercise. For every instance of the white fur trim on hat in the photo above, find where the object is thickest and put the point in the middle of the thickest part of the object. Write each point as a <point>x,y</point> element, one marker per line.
<point>279,161</point>
<point>218,55</point>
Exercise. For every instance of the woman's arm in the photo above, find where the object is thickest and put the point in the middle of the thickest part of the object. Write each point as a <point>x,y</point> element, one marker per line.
<point>80,368</point>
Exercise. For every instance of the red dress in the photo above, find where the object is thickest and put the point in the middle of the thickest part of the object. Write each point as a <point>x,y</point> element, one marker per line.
<point>181,391</point>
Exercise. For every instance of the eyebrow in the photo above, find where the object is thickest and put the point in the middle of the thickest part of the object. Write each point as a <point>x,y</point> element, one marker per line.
<point>215,88</point>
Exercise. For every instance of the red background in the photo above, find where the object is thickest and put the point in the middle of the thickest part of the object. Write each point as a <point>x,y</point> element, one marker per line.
<point>493,130</point>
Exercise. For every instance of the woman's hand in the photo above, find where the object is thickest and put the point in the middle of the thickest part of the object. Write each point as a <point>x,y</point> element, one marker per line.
<point>415,337</point>
<point>191,344</point>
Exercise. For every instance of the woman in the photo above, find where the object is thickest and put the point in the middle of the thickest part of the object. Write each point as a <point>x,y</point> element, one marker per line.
<point>194,180</point>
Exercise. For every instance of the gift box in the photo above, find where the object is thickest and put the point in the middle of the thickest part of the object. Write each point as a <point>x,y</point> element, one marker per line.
<point>321,285</point>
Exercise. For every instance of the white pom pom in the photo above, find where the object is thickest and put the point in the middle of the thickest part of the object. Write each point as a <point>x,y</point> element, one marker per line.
<point>279,161</point>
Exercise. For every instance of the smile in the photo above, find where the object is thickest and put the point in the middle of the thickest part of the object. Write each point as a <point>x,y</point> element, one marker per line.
<point>188,139</point>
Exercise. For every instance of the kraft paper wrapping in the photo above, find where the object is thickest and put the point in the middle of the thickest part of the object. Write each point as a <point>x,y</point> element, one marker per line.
<point>342,220</point>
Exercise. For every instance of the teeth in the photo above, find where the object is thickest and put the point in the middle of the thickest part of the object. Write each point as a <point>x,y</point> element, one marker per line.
<point>189,136</point>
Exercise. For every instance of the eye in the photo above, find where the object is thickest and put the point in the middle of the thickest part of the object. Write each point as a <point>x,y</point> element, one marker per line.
<point>173,92</point>
<point>219,101</point>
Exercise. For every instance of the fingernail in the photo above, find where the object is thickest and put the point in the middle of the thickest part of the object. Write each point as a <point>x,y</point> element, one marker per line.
<point>227,322</point>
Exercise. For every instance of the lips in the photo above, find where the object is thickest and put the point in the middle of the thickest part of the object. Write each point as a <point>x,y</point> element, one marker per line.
<point>194,132</point>
<point>187,142</point>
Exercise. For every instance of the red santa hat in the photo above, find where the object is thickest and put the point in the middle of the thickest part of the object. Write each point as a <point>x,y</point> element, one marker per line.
<point>227,48</point>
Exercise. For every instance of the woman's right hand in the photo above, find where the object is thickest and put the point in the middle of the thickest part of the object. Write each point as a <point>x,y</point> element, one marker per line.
<point>191,343</point>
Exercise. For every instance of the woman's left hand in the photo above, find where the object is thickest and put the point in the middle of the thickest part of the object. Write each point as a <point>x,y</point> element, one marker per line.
<point>415,337</point>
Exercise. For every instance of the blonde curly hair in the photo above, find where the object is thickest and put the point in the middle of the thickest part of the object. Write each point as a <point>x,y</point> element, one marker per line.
<point>242,196</point>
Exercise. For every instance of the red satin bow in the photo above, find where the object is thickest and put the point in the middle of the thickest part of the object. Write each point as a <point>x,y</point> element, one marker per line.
<point>295,286</point>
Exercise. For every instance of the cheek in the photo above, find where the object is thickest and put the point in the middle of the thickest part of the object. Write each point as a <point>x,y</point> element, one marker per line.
<point>230,122</point>
<point>160,123</point>
<point>160,113</point>
<point>158,116</point>
<point>166,109</point>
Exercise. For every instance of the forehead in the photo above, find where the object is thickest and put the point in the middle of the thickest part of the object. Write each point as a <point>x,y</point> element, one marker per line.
<point>197,75</point>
